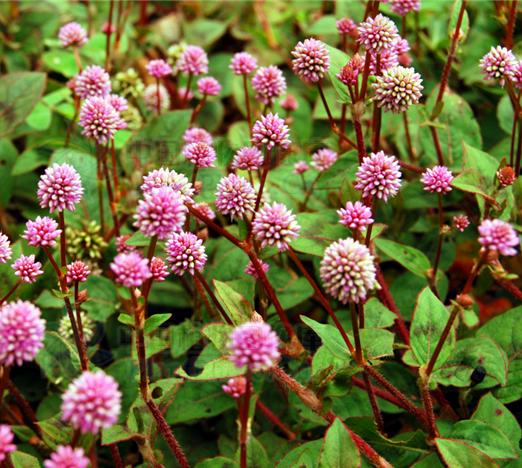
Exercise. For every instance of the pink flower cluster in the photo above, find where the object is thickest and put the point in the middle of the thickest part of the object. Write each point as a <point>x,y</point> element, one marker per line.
<point>355,216</point>
<point>236,386</point>
<point>271,131</point>
<point>72,34</point>
<point>398,89</point>
<point>209,86</point>
<point>100,120</point>
<point>67,457</point>
<point>6,442</point>
<point>275,225</point>
<point>311,61</point>
<point>499,63</point>
<point>378,34</point>
<point>5,248</point>
<point>91,82</point>
<point>165,177</point>
<point>77,271</point>
<point>60,188</point>
<point>269,83</point>
<point>437,179</point>
<point>235,196</point>
<point>42,232</point>
<point>254,345</point>
<point>251,269</point>
<point>158,68</point>
<point>196,135</point>
<point>324,159</point>
<point>243,63</point>
<point>248,159</point>
<point>499,236</point>
<point>379,176</point>
<point>131,269</point>
<point>27,269</point>
<point>193,60</point>
<point>185,252</point>
<point>200,154</point>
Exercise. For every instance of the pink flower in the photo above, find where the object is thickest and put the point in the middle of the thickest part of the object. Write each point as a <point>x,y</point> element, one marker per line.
<point>379,176</point>
<point>355,216</point>
<point>236,386</point>
<point>235,195</point>
<point>498,235</point>
<point>349,73</point>
<point>275,225</point>
<point>255,345</point>
<point>77,271</point>
<point>243,63</point>
<point>345,25</point>
<point>389,59</point>
<point>209,86</point>
<point>6,439</point>
<point>67,457</point>
<point>205,210</point>
<point>289,103</point>
<point>161,213</point>
<point>92,401</point>
<point>158,269</point>
<point>461,223</point>
<point>108,29</point>
<point>398,89</point>
<point>517,74</point>
<point>158,68</point>
<point>27,269</point>
<point>324,159</point>
<point>312,60</point>
<point>200,154</point>
<point>131,269</point>
<point>378,34</point>
<point>22,331</point>
<point>121,245</point>
<point>41,231</point>
<point>150,98</point>
<point>348,270</point>
<point>196,135</point>
<point>60,188</point>
<point>99,120</point>
<point>93,81</point>
<point>402,7</point>
<point>269,83</point>
<point>185,252</point>
<point>165,177</point>
<point>251,269</point>
<point>5,248</point>
<point>499,63</point>
<point>249,159</point>
<point>193,60</point>
<point>182,92</point>
<point>300,167</point>
<point>271,131</point>
<point>119,103</point>
<point>437,179</point>
<point>72,34</point>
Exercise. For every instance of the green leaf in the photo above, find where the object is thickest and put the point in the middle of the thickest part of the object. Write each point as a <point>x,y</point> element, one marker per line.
<point>429,319</point>
<point>19,94</point>
<point>472,181</point>
<point>218,462</point>
<point>339,450</point>
<point>338,60</point>
<point>24,460</point>
<point>28,161</point>
<point>118,433</point>
<point>61,61</point>
<point>454,19</point>
<point>349,193</point>
<point>484,163</point>
<point>293,294</point>
<point>8,157</point>
<point>484,437</point>
<point>203,32</point>
<point>219,334</point>
<point>430,461</point>
<point>239,310</point>
<point>183,337</point>
<point>316,234</point>
<point>155,321</point>
<point>470,353</point>
<point>221,368</point>
<point>376,315</point>
<point>55,432</point>
<point>331,338</point>
<point>125,372</point>
<point>138,239</point>
<point>460,455</point>
<point>291,458</point>
<point>104,298</point>
<point>409,257</point>
<point>256,454</point>
<point>126,320</point>
<point>238,135</point>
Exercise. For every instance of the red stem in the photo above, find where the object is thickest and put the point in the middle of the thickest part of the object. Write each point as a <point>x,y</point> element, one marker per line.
<point>108,50</point>
<point>224,314</point>
<point>116,458</point>
<point>274,419</point>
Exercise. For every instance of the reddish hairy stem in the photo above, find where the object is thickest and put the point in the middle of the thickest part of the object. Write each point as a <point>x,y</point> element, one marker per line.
<point>274,419</point>
<point>263,180</point>
<point>26,407</point>
<point>373,402</point>
<point>211,224</point>
<point>436,143</point>
<point>114,171</point>
<point>116,458</point>
<point>187,91</point>
<point>201,291</point>
<point>511,24</point>
<point>112,206</point>
<point>198,108</point>
<point>411,167</point>
<point>509,286</point>
<point>427,403</point>
<point>356,337</point>
<point>361,150</point>
<point>245,409</point>
<point>202,280</point>
<point>61,220</point>
<point>13,289</point>
<point>379,393</point>
<point>3,381</point>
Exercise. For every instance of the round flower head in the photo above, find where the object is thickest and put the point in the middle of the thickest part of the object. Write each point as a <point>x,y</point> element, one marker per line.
<point>349,73</point>
<point>378,34</point>
<point>121,245</point>
<point>236,386</point>
<point>249,159</point>
<point>107,28</point>
<point>193,60</point>
<point>158,269</point>
<point>5,248</point>
<point>60,188</point>
<point>67,457</point>
<point>119,103</point>
<point>355,216</point>
<point>183,92</point>
<point>22,331</point>
<point>437,179</point>
<point>6,441</point>
<point>72,34</point>
<point>254,345</point>
<point>348,270</point>
<point>165,177</point>
<point>41,231</point>
<point>235,195</point>
<point>150,98</point>
<point>379,176</point>
<point>99,120</point>
<point>312,60</point>
<point>197,135</point>
<point>243,63</point>
<point>91,402</point>
<point>161,213</point>
<point>345,25</point>
<point>289,103</point>
<point>461,223</point>
<point>251,269</point>
<point>498,235</point>
<point>131,269</point>
<point>205,210</point>
<point>397,89</point>
<point>271,131</point>
<point>300,167</point>
<point>275,225</point>
<point>200,154</point>
<point>324,159</point>
<point>209,86</point>
<point>517,74</point>
<point>66,331</point>
<point>498,64</point>
<point>269,83</point>
<point>402,7</point>
<point>77,271</point>
<point>91,82</point>
<point>158,68</point>
<point>27,269</point>
<point>185,252</point>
